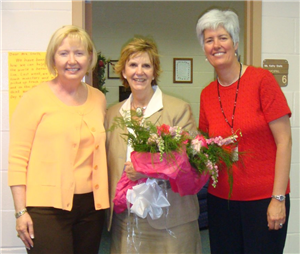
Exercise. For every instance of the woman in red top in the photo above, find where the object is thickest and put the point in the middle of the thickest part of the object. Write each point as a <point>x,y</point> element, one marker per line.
<point>248,99</point>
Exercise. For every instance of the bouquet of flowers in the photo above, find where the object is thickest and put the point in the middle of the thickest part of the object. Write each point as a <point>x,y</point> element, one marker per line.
<point>171,153</point>
<point>208,155</point>
<point>162,139</point>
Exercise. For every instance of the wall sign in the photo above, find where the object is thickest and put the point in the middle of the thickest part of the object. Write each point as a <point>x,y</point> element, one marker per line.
<point>279,68</point>
<point>25,70</point>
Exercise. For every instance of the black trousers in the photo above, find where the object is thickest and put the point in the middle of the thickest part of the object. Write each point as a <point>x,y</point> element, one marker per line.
<point>241,227</point>
<point>58,231</point>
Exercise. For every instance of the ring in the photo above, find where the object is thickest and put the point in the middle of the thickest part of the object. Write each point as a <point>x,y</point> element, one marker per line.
<point>280,225</point>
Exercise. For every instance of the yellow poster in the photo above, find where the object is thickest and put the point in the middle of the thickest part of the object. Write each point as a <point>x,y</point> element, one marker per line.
<point>25,70</point>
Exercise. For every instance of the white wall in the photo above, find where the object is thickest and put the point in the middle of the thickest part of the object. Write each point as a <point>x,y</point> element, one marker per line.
<point>26,26</point>
<point>280,40</point>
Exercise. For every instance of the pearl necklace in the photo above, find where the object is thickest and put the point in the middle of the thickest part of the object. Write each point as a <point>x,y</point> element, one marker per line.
<point>229,84</point>
<point>232,81</point>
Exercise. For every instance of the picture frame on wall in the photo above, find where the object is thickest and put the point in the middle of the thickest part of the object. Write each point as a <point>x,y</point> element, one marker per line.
<point>183,70</point>
<point>110,70</point>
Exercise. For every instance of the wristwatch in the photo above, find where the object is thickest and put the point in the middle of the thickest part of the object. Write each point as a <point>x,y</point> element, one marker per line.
<point>279,197</point>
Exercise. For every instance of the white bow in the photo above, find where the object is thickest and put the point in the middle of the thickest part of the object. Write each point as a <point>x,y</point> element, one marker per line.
<point>147,198</point>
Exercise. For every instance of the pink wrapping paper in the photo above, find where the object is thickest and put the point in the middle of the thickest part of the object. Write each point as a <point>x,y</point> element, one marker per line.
<point>151,165</point>
<point>123,185</point>
<point>182,176</point>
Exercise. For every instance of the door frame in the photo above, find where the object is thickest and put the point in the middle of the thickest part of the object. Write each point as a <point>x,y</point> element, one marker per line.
<point>82,16</point>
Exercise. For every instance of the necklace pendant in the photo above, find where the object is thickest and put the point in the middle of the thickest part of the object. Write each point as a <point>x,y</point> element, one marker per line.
<point>139,111</point>
<point>235,154</point>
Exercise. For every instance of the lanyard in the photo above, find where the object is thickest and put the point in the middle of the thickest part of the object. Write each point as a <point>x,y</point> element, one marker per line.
<point>235,100</point>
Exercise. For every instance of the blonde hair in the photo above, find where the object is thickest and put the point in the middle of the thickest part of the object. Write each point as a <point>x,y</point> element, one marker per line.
<point>75,33</point>
<point>133,48</point>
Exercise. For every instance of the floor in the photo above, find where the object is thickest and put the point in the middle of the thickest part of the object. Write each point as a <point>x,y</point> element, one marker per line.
<point>105,243</point>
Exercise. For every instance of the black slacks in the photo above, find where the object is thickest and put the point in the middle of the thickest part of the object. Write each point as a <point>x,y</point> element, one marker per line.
<point>58,231</point>
<point>241,227</point>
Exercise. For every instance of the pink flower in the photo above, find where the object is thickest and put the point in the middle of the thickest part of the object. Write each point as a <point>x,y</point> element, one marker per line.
<point>174,130</point>
<point>185,142</point>
<point>152,139</point>
<point>198,142</point>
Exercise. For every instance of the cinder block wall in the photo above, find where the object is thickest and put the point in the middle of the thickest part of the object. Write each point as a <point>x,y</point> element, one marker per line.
<point>26,26</point>
<point>280,40</point>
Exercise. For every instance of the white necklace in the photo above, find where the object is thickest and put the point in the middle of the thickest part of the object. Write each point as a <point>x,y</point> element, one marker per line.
<point>231,82</point>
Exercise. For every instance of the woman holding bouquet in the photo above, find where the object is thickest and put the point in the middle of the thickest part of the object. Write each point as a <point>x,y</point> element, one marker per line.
<point>248,99</point>
<point>177,231</point>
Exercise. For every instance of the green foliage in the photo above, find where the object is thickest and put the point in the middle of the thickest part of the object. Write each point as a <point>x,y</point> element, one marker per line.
<point>100,72</point>
<point>148,137</point>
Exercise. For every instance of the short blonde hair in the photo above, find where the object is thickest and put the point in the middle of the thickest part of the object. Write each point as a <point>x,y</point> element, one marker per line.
<point>133,48</point>
<point>75,33</point>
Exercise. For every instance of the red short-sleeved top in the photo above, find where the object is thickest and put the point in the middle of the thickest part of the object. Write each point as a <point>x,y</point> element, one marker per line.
<point>260,101</point>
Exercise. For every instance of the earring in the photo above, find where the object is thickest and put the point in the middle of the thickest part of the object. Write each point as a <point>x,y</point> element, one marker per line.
<point>235,54</point>
<point>206,59</point>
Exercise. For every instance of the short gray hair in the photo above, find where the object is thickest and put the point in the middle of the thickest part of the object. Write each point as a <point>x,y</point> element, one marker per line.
<point>214,18</point>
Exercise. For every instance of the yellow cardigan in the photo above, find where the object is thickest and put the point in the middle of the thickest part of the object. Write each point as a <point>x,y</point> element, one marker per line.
<point>44,138</point>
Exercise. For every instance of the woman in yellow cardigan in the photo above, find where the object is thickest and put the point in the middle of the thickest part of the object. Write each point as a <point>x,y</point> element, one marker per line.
<point>57,159</point>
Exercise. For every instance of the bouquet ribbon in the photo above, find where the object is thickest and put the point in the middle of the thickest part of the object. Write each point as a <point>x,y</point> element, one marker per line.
<point>183,178</point>
<point>147,198</point>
